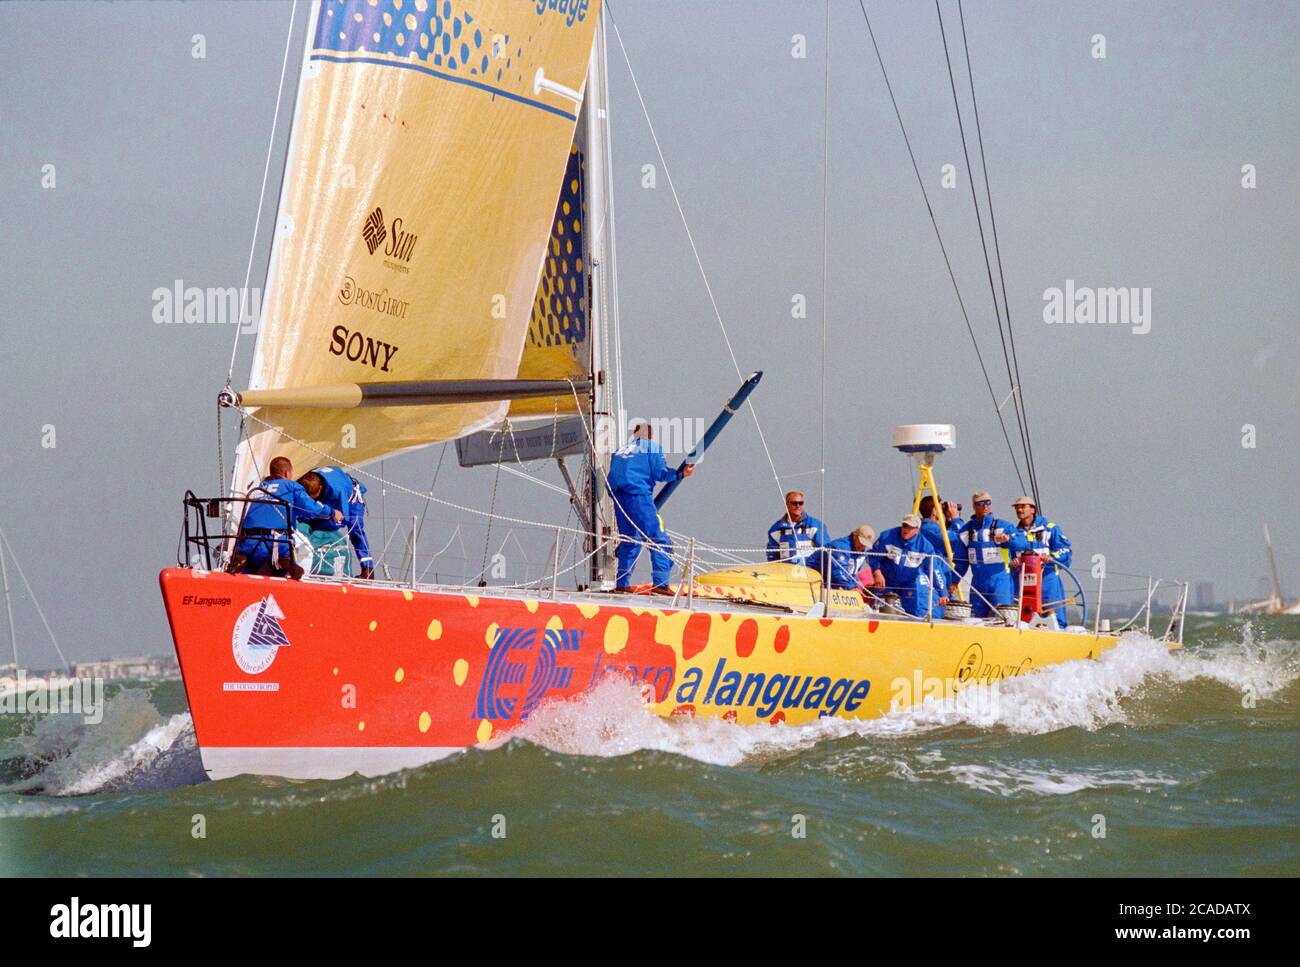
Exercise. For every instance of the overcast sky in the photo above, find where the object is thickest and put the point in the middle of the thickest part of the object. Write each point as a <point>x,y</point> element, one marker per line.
<point>1117,171</point>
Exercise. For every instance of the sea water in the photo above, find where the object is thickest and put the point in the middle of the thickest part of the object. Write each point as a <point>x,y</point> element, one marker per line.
<point>1144,762</point>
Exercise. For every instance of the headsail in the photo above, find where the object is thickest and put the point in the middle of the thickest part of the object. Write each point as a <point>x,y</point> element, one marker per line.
<point>424,168</point>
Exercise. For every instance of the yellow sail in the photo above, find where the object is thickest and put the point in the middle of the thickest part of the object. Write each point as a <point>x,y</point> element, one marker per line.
<point>429,142</point>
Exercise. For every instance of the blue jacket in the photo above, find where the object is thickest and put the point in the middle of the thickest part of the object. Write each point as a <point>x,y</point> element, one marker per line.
<point>842,562</point>
<point>268,516</point>
<point>933,533</point>
<point>344,493</point>
<point>801,540</point>
<point>901,562</point>
<point>637,467</point>
<point>1046,540</point>
<point>984,556</point>
<point>341,492</point>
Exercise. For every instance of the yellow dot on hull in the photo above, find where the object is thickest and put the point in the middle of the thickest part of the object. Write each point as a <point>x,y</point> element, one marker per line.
<point>589,610</point>
<point>374,625</point>
<point>336,671</point>
<point>425,721</point>
<point>484,730</point>
<point>408,595</point>
<point>435,630</point>
<point>472,599</point>
<point>490,636</point>
<point>460,671</point>
<point>399,674</point>
<point>531,606</point>
<point>616,635</point>
<point>361,726</point>
<point>554,624</point>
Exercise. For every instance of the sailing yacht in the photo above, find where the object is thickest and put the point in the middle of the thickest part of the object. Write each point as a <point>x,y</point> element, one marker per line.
<point>15,681</point>
<point>442,269</point>
<point>1276,603</point>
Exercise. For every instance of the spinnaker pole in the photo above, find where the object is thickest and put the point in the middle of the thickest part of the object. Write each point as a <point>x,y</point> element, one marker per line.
<point>711,434</point>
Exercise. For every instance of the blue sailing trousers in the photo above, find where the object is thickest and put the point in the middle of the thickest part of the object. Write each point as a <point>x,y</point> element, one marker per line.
<point>638,525</point>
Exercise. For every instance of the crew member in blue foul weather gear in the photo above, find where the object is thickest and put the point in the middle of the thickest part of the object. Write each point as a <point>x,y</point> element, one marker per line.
<point>796,536</point>
<point>904,560</point>
<point>338,490</point>
<point>954,523</point>
<point>633,472</point>
<point>1046,541</point>
<point>933,526</point>
<point>264,545</point>
<point>842,560</point>
<point>989,543</point>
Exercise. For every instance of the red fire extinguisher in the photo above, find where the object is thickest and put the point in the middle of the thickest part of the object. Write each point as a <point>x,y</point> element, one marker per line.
<point>1031,586</point>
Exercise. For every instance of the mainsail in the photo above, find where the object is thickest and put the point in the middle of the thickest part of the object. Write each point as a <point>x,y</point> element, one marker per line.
<point>556,347</point>
<point>425,163</point>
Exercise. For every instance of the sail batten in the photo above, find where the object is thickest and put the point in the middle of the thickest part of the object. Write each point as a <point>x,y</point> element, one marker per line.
<point>421,189</point>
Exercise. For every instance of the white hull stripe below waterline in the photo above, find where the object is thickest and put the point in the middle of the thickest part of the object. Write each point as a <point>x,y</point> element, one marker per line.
<point>301,762</point>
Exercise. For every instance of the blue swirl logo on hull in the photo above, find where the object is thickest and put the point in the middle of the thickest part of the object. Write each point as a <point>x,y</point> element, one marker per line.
<point>514,652</point>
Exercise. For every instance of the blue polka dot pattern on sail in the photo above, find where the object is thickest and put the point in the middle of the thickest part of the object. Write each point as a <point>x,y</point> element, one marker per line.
<point>424,30</point>
<point>560,309</point>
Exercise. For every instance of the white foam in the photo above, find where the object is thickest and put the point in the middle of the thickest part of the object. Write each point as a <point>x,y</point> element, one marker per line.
<point>611,720</point>
<point>81,777</point>
<point>1014,780</point>
<point>132,747</point>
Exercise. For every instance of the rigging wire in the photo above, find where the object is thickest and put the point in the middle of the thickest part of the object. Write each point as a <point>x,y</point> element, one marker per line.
<point>826,108</point>
<point>942,248</point>
<point>32,594</point>
<point>690,237</point>
<point>261,197</point>
<point>988,267</point>
<point>1002,279</point>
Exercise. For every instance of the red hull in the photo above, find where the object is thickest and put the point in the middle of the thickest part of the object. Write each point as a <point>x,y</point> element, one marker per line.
<point>363,678</point>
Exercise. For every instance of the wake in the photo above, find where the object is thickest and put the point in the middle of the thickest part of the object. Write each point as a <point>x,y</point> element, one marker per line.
<point>611,720</point>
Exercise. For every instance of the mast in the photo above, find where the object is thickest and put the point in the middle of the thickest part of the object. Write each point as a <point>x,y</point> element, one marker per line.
<point>603,296</point>
<point>9,609</point>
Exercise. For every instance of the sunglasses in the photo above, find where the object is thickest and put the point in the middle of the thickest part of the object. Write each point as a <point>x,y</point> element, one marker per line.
<point>795,503</point>
<point>982,503</point>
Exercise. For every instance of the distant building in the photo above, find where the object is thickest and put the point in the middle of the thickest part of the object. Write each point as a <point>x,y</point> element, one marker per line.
<point>118,669</point>
<point>1203,596</point>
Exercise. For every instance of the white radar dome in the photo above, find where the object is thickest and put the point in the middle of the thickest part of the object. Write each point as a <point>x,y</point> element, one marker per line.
<point>925,437</point>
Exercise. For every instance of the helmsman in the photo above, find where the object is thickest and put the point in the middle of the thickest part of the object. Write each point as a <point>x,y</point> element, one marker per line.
<point>1045,541</point>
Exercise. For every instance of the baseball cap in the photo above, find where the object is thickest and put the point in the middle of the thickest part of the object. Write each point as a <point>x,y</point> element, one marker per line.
<point>865,535</point>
